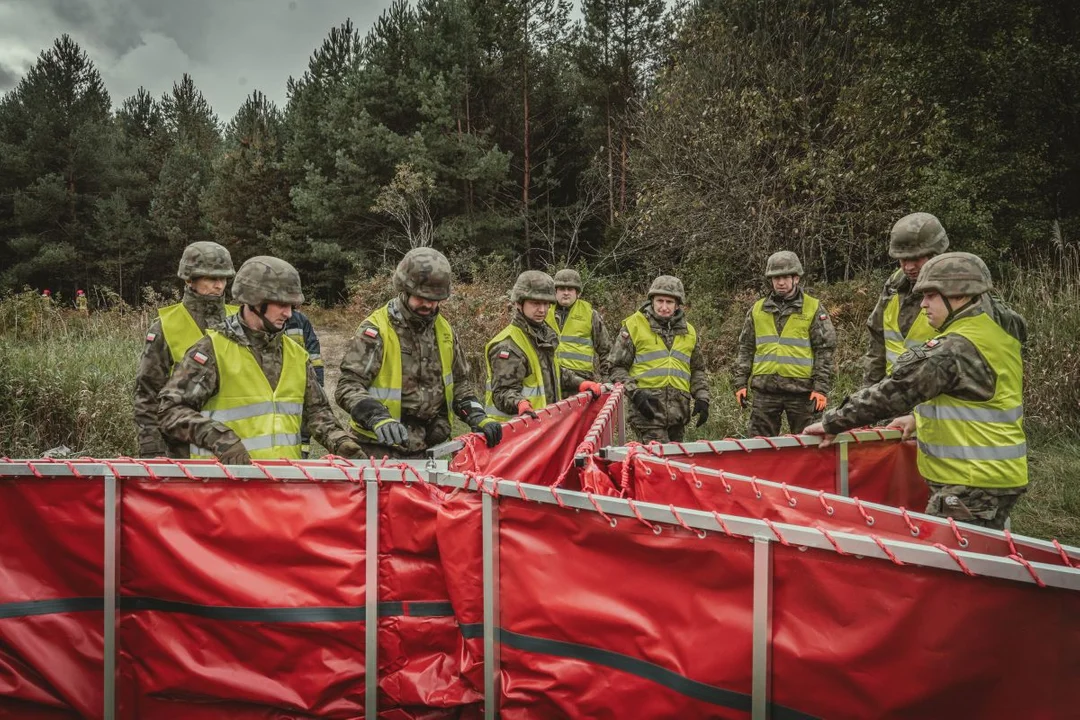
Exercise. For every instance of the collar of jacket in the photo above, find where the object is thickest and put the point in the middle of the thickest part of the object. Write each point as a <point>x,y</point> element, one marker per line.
<point>235,329</point>
<point>541,334</point>
<point>775,304</point>
<point>675,324</point>
<point>401,313</point>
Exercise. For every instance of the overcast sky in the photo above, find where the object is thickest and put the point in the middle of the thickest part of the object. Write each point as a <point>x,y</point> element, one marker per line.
<point>230,47</point>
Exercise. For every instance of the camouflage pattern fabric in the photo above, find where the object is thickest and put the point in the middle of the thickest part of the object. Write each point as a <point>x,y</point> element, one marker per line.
<point>424,272</point>
<point>510,367</point>
<point>533,285</point>
<point>988,507</point>
<point>954,274</point>
<point>601,342</point>
<point>768,409</point>
<point>668,285</point>
<point>205,259</point>
<point>917,235</point>
<point>783,263</point>
<point>423,402</point>
<point>155,368</point>
<point>267,279</point>
<point>676,405</point>
<point>193,383</point>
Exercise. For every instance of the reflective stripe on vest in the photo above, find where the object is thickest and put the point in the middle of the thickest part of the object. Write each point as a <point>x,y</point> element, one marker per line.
<point>787,354</point>
<point>386,387</point>
<point>896,343</point>
<point>981,444</point>
<point>655,366</point>
<point>180,329</point>
<point>575,350</point>
<point>532,387</point>
<point>266,420</point>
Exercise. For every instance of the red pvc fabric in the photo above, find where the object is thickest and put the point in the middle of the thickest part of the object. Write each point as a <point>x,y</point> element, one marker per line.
<point>254,547</point>
<point>604,622</point>
<point>857,639</point>
<point>596,477</point>
<point>51,597</point>
<point>809,467</point>
<point>886,472</point>
<point>532,451</point>
<point>459,534</point>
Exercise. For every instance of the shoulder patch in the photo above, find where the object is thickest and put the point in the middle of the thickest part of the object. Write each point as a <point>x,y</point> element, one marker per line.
<point>503,354</point>
<point>625,333</point>
<point>151,337</point>
<point>823,316</point>
<point>371,332</point>
<point>933,342</point>
<point>200,358</point>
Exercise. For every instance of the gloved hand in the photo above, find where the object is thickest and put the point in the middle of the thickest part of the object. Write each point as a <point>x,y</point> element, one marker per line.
<point>740,397</point>
<point>593,388</point>
<point>647,404</point>
<point>235,454</point>
<point>389,431</point>
<point>819,400</point>
<point>489,428</point>
<point>525,408</point>
<point>349,448</point>
<point>701,409</point>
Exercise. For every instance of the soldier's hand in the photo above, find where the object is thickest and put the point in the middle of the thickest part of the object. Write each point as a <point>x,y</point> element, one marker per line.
<point>489,428</point>
<point>819,400</point>
<point>524,407</point>
<point>905,424</point>
<point>391,432</point>
<point>819,430</point>
<point>740,397</point>
<point>235,454</point>
<point>701,409</point>
<point>646,404</point>
<point>593,388</point>
<point>350,449</point>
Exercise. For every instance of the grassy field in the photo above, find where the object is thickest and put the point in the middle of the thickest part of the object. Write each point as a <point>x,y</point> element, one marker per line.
<point>66,379</point>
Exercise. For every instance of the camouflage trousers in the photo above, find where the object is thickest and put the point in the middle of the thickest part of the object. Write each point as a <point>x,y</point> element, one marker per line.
<point>767,410</point>
<point>988,507</point>
<point>423,434</point>
<point>652,433</point>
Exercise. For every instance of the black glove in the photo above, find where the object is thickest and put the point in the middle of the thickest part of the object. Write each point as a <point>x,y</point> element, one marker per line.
<point>235,454</point>
<point>647,404</point>
<point>390,432</point>
<point>489,428</point>
<point>701,409</point>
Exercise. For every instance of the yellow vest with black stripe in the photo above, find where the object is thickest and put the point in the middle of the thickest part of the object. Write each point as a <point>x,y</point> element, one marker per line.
<point>787,354</point>
<point>978,443</point>
<point>655,366</point>
<point>575,351</point>
<point>267,420</point>
<point>896,342</point>
<point>180,329</point>
<point>386,387</point>
<point>532,387</point>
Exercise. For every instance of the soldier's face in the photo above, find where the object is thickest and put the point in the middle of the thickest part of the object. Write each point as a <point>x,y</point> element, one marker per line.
<point>566,296</point>
<point>936,311</point>
<point>422,307</point>
<point>784,285</point>
<point>277,313</point>
<point>535,310</point>
<point>911,268</point>
<point>211,287</point>
<point>664,306</point>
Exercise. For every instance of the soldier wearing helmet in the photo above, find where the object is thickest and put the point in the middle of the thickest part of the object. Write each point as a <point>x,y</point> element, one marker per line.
<point>522,374</point>
<point>656,356</point>
<point>205,268</point>
<point>966,385</point>
<point>405,374</point>
<point>785,352</point>
<point>243,391</point>
<point>81,303</point>
<point>584,343</point>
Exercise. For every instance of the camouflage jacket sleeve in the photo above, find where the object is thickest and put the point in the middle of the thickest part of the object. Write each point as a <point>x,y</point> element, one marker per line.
<point>621,359</point>
<point>507,375</point>
<point>699,380</point>
<point>359,367</point>
<point>744,362</point>
<point>943,365</point>
<point>570,382</point>
<point>181,400</point>
<point>465,390</point>
<point>319,417</point>
<point>873,360</point>
<point>601,346</point>
<point>823,343</point>
<point>1010,321</point>
<point>314,348</point>
<point>154,367</point>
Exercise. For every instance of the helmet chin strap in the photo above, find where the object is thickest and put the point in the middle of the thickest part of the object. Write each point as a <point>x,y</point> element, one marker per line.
<point>260,312</point>
<point>953,311</point>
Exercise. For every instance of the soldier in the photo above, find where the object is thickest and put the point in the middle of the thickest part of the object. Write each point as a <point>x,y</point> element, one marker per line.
<point>656,357</point>
<point>522,375</point>
<point>300,330</point>
<point>785,352</point>
<point>966,385</point>
<point>583,340</point>
<point>205,267</point>
<point>242,391</point>
<point>405,374</point>
<point>80,302</point>
<point>46,297</point>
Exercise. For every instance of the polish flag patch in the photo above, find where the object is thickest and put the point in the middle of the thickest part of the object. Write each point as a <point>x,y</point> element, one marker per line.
<point>200,358</point>
<point>371,332</point>
<point>150,337</point>
<point>822,316</point>
<point>933,343</point>
<point>504,354</point>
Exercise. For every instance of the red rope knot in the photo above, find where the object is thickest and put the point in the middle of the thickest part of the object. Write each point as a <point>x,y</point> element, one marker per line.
<point>776,532</point>
<point>956,558</point>
<point>831,539</point>
<point>558,498</point>
<point>627,468</point>
<point>862,511</point>
<point>1061,551</point>
<point>790,500</point>
<point>960,539</point>
<point>655,528</point>
<point>521,491</point>
<point>611,521</point>
<point>694,477</point>
<point>888,553</point>
<point>754,485</point>
<point>489,485</point>
<point>378,471</point>
<point>722,524</point>
<point>1034,575</point>
<point>829,509</point>
<point>406,468</point>
<point>1009,539</point>
<point>678,518</point>
<point>907,518</point>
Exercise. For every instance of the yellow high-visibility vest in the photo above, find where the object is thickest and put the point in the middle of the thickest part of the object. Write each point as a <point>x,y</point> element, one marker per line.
<point>532,387</point>
<point>896,342</point>
<point>978,443</point>
<point>787,354</point>
<point>386,387</point>
<point>180,329</point>
<point>655,366</point>
<point>266,419</point>
<point>575,351</point>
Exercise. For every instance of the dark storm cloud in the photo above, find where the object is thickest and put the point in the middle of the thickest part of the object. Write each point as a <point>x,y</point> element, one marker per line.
<point>8,78</point>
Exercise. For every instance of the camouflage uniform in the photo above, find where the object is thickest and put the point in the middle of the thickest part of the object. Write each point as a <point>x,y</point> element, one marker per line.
<point>774,395</point>
<point>601,339</point>
<point>948,365</point>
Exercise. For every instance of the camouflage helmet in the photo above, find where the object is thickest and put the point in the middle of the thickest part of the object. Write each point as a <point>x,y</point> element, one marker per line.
<point>568,278</point>
<point>667,285</point>
<point>917,235</point>
<point>533,285</point>
<point>782,263</point>
<point>425,273</point>
<point>267,279</point>
<point>954,274</point>
<point>205,259</point>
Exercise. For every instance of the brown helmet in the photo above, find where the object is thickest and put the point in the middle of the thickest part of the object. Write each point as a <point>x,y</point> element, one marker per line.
<point>668,285</point>
<point>917,235</point>
<point>533,285</point>
<point>425,273</point>
<point>954,274</point>
<point>205,259</point>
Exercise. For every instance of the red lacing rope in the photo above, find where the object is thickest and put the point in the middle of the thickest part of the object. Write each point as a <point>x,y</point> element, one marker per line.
<point>555,494</point>
<point>956,558</point>
<point>712,446</point>
<point>960,539</point>
<point>797,438</point>
<point>694,477</point>
<point>725,483</point>
<point>1061,551</point>
<point>32,467</point>
<point>770,443</point>
<point>776,532</point>
<point>291,463</point>
<point>655,528</point>
<point>1009,539</point>
<point>74,471</point>
<point>521,491</point>
<point>1034,575</point>
<point>678,518</point>
<point>738,443</point>
<point>225,471</point>
<point>683,450</point>
<point>624,481</point>
<point>407,468</point>
<point>611,521</point>
<point>754,485</point>
<point>790,500</point>
<point>184,469</point>
<point>907,518</point>
<point>862,511</point>
<point>722,524</point>
<point>829,510</point>
<point>831,539</point>
<point>888,553</point>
